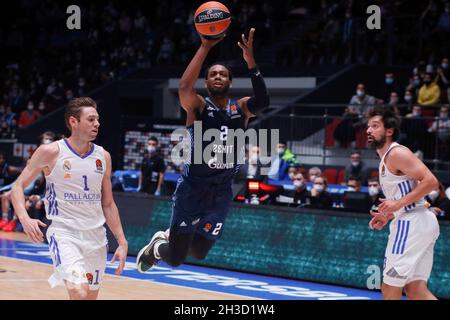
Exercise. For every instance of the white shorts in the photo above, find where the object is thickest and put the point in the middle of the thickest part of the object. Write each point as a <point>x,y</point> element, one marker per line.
<point>78,256</point>
<point>409,252</point>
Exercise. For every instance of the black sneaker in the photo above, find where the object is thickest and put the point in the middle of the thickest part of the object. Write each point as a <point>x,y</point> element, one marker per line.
<point>146,258</point>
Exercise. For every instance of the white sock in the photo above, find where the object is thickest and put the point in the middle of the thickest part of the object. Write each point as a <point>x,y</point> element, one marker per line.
<point>5,216</point>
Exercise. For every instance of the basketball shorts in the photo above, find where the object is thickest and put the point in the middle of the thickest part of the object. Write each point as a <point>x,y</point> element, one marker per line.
<point>78,256</point>
<point>410,248</point>
<point>200,207</point>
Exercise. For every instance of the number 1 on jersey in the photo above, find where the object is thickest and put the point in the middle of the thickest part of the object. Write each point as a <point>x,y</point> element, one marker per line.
<point>85,183</point>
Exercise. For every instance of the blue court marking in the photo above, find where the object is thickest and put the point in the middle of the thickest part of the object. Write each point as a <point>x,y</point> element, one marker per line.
<point>210,279</point>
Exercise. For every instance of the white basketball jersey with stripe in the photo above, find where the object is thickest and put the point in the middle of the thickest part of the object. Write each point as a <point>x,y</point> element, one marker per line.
<point>74,188</point>
<point>395,187</point>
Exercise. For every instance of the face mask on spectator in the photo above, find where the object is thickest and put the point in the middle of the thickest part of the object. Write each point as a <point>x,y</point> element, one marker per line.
<point>151,149</point>
<point>360,93</point>
<point>30,107</point>
<point>81,83</point>
<point>443,115</point>
<point>69,96</point>
<point>417,82</point>
<point>298,183</point>
<point>433,195</point>
<point>253,159</point>
<point>355,163</point>
<point>444,65</point>
<point>47,141</point>
<point>416,113</point>
<point>373,191</point>
<point>41,106</point>
<point>318,187</point>
<point>408,98</point>
<point>280,151</point>
<point>389,81</point>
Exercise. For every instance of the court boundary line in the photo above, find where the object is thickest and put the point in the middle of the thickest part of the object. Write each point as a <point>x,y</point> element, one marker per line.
<point>143,280</point>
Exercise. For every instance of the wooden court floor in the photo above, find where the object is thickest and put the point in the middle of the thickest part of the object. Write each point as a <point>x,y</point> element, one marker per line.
<point>27,280</point>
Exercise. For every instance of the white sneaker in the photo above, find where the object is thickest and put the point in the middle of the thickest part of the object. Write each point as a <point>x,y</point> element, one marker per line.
<point>146,257</point>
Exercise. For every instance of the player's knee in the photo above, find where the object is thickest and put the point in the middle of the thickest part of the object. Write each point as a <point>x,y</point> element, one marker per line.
<point>413,290</point>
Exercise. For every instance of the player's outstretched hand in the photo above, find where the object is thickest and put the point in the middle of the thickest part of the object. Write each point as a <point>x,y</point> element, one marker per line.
<point>209,43</point>
<point>31,228</point>
<point>121,254</point>
<point>247,47</point>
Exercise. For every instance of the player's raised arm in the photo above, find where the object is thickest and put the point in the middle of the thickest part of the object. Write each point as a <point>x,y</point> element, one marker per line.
<point>260,99</point>
<point>112,216</point>
<point>189,98</point>
<point>43,157</point>
<point>402,159</point>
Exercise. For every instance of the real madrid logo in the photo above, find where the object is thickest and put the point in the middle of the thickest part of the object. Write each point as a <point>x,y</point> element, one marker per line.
<point>66,165</point>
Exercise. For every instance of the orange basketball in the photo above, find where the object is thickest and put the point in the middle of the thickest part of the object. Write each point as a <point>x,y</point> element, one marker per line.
<point>212,19</point>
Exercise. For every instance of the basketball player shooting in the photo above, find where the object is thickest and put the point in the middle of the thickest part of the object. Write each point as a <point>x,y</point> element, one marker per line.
<point>78,200</point>
<point>414,229</point>
<point>203,194</point>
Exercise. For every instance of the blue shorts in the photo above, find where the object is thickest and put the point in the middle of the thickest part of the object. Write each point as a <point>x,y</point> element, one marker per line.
<point>200,207</point>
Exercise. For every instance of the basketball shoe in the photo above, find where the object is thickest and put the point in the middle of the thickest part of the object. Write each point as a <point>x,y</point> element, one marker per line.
<point>146,257</point>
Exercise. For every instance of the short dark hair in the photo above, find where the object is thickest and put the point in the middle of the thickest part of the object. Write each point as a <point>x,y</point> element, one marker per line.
<point>74,107</point>
<point>354,179</point>
<point>389,118</point>
<point>372,179</point>
<point>356,152</point>
<point>153,138</point>
<point>230,74</point>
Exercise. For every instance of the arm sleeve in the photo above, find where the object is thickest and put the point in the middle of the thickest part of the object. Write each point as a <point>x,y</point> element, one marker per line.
<point>260,99</point>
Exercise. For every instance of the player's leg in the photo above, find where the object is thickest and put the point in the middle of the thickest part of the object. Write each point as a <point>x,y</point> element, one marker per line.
<point>391,292</point>
<point>418,290</point>
<point>187,202</point>
<point>79,291</point>
<point>200,246</point>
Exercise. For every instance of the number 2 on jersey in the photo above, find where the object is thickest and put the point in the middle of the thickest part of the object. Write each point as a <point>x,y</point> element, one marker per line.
<point>85,183</point>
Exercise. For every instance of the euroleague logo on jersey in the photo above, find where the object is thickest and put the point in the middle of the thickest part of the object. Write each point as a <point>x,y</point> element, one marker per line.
<point>99,165</point>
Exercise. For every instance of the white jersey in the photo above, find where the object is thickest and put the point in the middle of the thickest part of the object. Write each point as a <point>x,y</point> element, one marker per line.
<point>395,187</point>
<point>74,188</point>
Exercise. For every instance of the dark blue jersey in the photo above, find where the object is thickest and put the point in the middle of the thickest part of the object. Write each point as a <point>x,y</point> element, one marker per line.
<point>221,158</point>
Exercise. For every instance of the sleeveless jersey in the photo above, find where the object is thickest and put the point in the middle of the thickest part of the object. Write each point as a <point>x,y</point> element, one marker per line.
<point>395,187</point>
<point>222,154</point>
<point>73,188</point>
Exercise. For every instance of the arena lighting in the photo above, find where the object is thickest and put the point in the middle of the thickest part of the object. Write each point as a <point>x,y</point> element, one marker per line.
<point>253,186</point>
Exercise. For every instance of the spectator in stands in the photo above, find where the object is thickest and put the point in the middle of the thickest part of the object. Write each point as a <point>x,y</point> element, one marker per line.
<point>375,190</point>
<point>441,127</point>
<point>409,101</point>
<point>6,171</point>
<point>353,184</point>
<point>439,202</point>
<point>430,92</point>
<point>292,171</point>
<point>443,74</point>
<point>28,116</point>
<point>357,168</point>
<point>47,137</point>
<point>152,169</point>
<point>300,194</point>
<point>280,165</point>
<point>319,197</point>
<point>393,102</point>
<point>415,83</point>
<point>360,105</point>
<point>314,172</point>
<point>251,169</point>
<point>390,85</point>
<point>414,130</point>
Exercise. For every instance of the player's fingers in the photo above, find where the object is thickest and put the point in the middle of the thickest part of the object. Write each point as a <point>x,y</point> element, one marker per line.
<point>240,45</point>
<point>244,40</point>
<point>250,36</point>
<point>121,266</point>
<point>41,223</point>
<point>114,257</point>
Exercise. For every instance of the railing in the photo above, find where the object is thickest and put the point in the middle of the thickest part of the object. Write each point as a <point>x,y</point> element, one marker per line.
<point>323,131</point>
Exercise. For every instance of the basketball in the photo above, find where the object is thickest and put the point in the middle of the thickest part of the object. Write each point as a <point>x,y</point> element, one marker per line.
<point>212,19</point>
